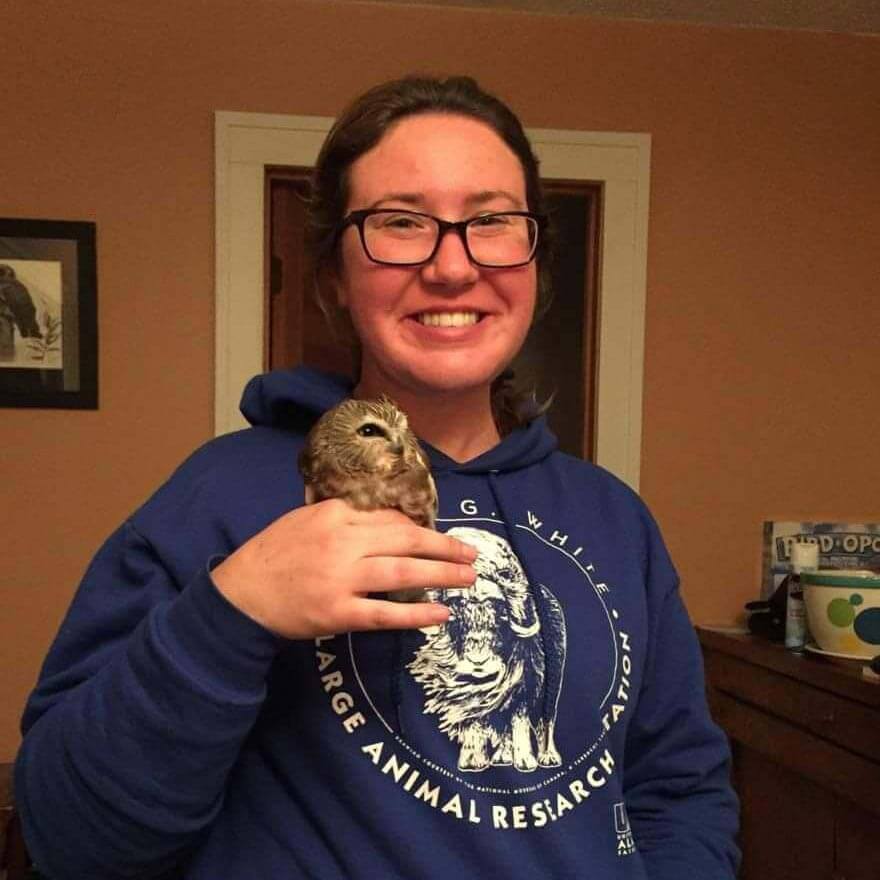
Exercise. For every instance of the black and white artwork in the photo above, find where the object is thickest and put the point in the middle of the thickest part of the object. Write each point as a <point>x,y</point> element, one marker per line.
<point>30,315</point>
<point>48,314</point>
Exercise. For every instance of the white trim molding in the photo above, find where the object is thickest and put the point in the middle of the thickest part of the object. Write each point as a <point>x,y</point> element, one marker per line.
<point>246,143</point>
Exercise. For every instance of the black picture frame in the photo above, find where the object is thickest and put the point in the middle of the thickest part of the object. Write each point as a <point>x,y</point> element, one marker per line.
<point>48,314</point>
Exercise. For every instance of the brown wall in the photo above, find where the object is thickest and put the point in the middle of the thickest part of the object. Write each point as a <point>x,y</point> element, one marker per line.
<point>763,304</point>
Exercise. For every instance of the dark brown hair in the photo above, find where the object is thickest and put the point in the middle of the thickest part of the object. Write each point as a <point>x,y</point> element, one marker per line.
<point>358,129</point>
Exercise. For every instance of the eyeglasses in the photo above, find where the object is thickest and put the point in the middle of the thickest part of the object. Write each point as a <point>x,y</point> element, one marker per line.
<point>408,238</point>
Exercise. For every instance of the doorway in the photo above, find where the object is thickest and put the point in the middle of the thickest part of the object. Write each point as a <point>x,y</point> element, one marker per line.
<point>246,144</point>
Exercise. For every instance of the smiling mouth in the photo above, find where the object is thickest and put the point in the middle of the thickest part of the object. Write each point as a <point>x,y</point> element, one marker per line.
<point>448,319</point>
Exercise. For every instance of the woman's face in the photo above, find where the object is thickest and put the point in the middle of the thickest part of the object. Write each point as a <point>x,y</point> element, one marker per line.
<point>454,168</point>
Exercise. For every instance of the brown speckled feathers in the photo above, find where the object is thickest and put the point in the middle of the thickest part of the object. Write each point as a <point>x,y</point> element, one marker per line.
<point>364,452</point>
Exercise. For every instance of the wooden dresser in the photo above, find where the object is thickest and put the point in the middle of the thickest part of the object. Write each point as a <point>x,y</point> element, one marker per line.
<point>805,734</point>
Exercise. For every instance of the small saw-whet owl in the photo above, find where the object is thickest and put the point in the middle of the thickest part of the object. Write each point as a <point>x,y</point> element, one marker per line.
<point>364,452</point>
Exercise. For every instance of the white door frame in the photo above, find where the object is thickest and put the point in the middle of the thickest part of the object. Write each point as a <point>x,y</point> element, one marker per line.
<point>246,143</point>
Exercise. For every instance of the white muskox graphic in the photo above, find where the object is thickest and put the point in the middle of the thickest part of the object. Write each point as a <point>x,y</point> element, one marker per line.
<point>492,673</point>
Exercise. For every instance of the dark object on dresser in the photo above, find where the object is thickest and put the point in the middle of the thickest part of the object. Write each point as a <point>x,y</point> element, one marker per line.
<point>767,616</point>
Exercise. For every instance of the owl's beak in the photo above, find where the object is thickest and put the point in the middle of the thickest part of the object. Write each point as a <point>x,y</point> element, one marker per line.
<point>396,443</point>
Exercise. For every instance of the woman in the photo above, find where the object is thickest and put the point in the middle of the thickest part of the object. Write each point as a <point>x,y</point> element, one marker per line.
<point>228,697</point>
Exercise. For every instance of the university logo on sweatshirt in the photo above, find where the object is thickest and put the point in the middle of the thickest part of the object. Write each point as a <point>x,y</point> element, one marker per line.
<point>483,718</point>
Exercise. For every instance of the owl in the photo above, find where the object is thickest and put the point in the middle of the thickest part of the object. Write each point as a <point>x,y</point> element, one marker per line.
<point>364,452</point>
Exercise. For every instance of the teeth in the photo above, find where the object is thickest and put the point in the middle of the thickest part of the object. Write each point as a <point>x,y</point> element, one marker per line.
<point>447,319</point>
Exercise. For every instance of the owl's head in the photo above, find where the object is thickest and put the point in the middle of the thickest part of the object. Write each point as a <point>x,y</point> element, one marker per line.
<point>364,436</point>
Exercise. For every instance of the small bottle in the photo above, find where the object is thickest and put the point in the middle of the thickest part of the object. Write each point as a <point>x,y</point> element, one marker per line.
<point>804,557</point>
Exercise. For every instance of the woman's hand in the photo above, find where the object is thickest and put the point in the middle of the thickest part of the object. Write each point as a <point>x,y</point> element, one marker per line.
<point>310,572</point>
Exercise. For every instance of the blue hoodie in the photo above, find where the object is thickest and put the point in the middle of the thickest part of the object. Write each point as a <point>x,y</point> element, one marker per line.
<point>554,727</point>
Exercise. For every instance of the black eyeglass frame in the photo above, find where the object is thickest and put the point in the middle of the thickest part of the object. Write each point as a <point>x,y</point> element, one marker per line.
<point>357,218</point>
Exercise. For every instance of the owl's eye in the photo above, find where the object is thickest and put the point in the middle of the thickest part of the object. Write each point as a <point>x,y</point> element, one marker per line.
<point>371,430</point>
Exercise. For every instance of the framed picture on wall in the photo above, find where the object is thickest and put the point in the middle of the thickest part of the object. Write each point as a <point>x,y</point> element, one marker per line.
<point>48,314</point>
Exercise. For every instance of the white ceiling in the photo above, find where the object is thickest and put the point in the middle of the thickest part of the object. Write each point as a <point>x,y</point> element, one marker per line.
<point>843,16</point>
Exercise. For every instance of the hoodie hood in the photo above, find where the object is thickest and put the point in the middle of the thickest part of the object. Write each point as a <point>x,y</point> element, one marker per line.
<point>295,399</point>
<point>290,398</point>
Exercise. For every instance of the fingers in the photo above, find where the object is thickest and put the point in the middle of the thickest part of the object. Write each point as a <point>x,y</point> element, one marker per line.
<point>388,532</point>
<point>390,573</point>
<point>372,614</point>
<point>321,582</point>
<point>415,541</point>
